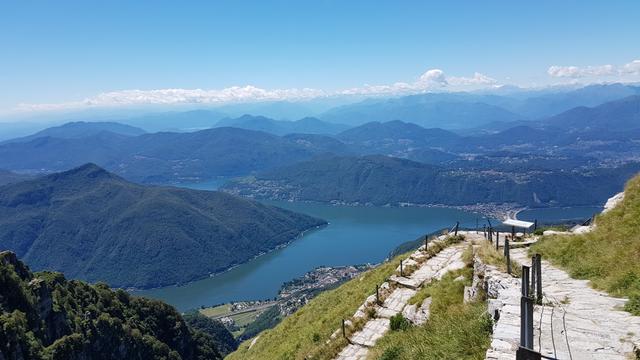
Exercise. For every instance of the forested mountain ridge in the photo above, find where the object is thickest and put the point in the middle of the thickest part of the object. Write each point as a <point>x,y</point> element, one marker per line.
<point>95,226</point>
<point>382,180</point>
<point>46,317</point>
<point>8,177</point>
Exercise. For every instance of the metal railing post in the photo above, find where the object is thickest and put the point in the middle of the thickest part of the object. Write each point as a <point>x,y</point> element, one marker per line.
<point>526,312</point>
<point>539,278</point>
<point>507,256</point>
<point>525,281</point>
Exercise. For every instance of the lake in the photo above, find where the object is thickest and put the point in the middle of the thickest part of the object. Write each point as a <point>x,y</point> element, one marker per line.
<point>355,235</point>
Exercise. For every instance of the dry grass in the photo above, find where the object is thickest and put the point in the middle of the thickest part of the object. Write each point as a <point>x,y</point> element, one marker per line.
<point>489,255</point>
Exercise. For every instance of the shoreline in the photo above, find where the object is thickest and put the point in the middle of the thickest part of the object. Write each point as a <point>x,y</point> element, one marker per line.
<point>492,210</point>
<point>213,275</point>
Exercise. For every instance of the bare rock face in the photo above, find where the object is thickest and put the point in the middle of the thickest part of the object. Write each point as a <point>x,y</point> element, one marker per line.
<point>613,202</point>
<point>422,314</point>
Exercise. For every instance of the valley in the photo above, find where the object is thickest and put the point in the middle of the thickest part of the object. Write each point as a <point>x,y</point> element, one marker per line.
<point>96,226</point>
<point>319,180</point>
<point>246,226</point>
<point>354,235</point>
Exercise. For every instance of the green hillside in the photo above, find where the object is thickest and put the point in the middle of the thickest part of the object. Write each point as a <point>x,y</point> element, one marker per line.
<point>302,335</point>
<point>381,180</point>
<point>607,256</point>
<point>306,334</point>
<point>8,177</point>
<point>44,316</point>
<point>95,226</point>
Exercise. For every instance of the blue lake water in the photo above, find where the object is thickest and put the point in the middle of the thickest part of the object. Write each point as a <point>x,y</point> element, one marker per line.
<point>355,235</point>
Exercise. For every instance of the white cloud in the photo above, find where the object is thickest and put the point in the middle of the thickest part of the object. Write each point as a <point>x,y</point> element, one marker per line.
<point>576,72</point>
<point>180,96</point>
<point>580,72</point>
<point>432,79</point>
<point>477,79</point>
<point>632,68</point>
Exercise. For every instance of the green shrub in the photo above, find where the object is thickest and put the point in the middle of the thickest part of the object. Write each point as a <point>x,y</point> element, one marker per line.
<point>391,353</point>
<point>399,322</point>
<point>633,305</point>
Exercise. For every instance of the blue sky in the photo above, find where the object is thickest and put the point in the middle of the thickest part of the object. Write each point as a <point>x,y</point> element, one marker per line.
<point>62,52</point>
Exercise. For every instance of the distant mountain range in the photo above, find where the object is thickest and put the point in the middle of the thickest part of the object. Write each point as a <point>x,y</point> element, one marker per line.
<point>458,111</point>
<point>447,111</point>
<point>606,132</point>
<point>81,129</point>
<point>162,157</point>
<point>381,180</point>
<point>178,121</point>
<point>306,125</point>
<point>93,225</point>
<point>618,115</point>
<point>540,105</point>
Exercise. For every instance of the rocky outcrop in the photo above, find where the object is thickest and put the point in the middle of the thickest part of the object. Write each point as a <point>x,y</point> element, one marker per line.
<point>613,202</point>
<point>473,292</point>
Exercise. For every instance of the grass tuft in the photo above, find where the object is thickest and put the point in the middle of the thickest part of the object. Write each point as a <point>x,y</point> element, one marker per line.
<point>489,255</point>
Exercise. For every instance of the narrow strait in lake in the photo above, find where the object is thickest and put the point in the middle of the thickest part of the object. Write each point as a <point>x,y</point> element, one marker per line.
<point>355,235</point>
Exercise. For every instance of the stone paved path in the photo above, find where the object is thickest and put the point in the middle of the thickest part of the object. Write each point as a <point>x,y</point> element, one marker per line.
<point>580,322</point>
<point>448,259</point>
<point>574,322</point>
<point>503,297</point>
